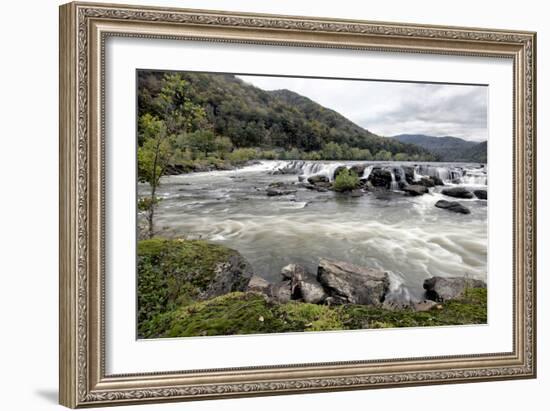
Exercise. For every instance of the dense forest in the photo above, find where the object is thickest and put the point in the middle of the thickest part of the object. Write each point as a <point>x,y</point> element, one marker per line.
<point>225,115</point>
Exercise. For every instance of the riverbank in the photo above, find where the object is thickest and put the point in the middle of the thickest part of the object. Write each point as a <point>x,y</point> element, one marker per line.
<point>195,288</point>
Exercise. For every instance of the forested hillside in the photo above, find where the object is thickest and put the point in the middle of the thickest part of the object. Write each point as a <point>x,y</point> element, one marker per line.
<point>229,115</point>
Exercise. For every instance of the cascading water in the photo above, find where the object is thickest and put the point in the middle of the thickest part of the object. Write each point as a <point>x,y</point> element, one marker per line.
<point>366,172</point>
<point>466,174</point>
<point>394,186</point>
<point>405,235</point>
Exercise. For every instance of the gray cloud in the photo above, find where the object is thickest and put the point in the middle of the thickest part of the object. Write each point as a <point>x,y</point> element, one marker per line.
<point>390,108</point>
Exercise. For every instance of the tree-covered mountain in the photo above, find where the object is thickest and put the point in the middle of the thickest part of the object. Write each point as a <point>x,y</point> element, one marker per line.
<point>271,120</point>
<point>448,148</point>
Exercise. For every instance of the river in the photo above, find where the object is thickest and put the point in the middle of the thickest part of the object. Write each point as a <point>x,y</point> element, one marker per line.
<point>407,236</point>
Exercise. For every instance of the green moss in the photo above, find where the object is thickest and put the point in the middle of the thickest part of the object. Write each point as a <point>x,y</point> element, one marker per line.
<point>312,317</point>
<point>249,313</point>
<point>233,313</point>
<point>172,273</point>
<point>471,309</point>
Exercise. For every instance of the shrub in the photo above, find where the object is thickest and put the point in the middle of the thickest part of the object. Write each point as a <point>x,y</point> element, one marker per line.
<point>346,180</point>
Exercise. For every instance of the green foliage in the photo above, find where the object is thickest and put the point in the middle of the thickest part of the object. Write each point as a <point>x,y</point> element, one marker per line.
<point>401,157</point>
<point>346,180</point>
<point>242,155</point>
<point>175,101</point>
<point>332,151</point>
<point>173,272</point>
<point>383,155</point>
<point>251,117</point>
<point>154,152</point>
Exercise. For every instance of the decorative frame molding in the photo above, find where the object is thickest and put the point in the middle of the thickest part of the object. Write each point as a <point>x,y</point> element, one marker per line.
<point>83,30</point>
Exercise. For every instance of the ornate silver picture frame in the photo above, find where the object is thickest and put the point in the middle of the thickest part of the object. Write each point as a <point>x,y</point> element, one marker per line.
<point>84,30</point>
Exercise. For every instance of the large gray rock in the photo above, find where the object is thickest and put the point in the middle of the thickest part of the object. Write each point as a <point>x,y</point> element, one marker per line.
<point>304,285</point>
<point>380,178</point>
<point>415,190</point>
<point>258,285</point>
<point>449,288</point>
<point>232,275</point>
<point>458,192</point>
<point>317,179</point>
<point>481,194</point>
<point>281,292</point>
<point>280,189</point>
<point>347,283</point>
<point>452,206</point>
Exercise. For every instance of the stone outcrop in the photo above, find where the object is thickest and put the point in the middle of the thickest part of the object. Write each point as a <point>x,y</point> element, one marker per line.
<point>380,178</point>
<point>452,206</point>
<point>415,190</point>
<point>448,288</point>
<point>347,283</point>
<point>481,194</point>
<point>457,192</point>
<point>304,285</point>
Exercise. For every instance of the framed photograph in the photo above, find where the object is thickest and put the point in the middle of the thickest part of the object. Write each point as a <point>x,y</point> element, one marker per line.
<point>260,205</point>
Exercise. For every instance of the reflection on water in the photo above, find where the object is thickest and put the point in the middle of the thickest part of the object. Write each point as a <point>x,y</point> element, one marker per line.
<point>405,235</point>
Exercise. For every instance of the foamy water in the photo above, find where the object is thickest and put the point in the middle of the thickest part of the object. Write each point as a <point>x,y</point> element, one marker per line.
<point>407,236</point>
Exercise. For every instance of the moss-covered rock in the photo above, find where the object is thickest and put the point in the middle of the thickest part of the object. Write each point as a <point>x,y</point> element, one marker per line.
<point>172,273</point>
<point>250,313</point>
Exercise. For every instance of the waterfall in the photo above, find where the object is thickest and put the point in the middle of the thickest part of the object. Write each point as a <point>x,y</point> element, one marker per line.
<point>394,185</point>
<point>366,173</point>
<point>449,174</point>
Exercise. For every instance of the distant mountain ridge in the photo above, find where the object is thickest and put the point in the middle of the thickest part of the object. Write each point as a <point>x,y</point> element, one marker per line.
<point>448,148</point>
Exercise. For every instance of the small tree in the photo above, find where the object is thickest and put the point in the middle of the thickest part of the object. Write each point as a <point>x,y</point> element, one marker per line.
<point>223,145</point>
<point>153,157</point>
<point>346,180</point>
<point>201,141</point>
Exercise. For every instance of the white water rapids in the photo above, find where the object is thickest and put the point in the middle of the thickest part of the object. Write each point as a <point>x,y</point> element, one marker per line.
<point>407,236</point>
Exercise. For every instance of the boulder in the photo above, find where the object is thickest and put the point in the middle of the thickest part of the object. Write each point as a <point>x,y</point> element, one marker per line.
<point>409,174</point>
<point>304,286</point>
<point>481,194</point>
<point>449,288</point>
<point>415,190</point>
<point>458,192</point>
<point>437,181</point>
<point>234,274</point>
<point>347,283</point>
<point>258,285</point>
<point>380,178</point>
<point>452,206</point>
<point>280,189</point>
<point>426,182</point>
<point>281,292</point>
<point>358,169</point>
<point>317,179</point>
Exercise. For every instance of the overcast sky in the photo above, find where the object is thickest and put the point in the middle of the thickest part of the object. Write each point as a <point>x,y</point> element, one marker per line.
<point>387,108</point>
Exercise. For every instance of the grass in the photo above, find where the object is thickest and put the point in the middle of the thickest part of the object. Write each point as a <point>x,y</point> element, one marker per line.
<point>249,313</point>
<point>172,273</point>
